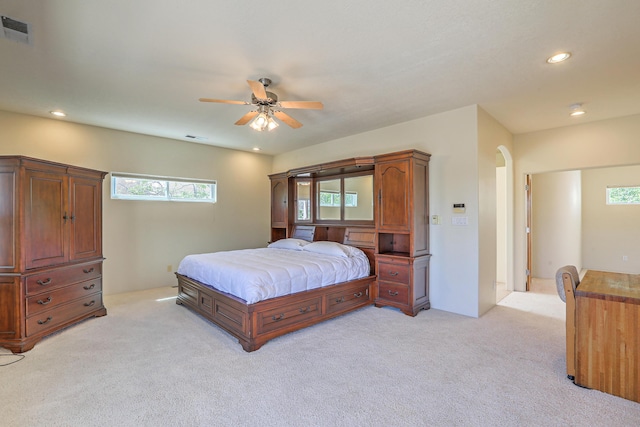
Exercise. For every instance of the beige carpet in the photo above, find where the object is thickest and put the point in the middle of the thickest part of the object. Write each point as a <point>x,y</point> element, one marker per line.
<point>150,362</point>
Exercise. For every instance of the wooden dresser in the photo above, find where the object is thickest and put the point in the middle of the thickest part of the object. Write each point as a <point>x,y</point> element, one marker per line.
<point>50,248</point>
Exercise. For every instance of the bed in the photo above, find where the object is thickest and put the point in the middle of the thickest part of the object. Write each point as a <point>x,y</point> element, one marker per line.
<point>312,277</point>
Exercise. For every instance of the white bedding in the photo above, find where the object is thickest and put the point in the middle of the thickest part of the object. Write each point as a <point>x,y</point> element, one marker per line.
<point>258,274</point>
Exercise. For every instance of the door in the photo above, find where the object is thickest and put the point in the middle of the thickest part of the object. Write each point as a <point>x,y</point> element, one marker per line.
<point>392,187</point>
<point>46,217</point>
<point>85,219</point>
<point>279,206</point>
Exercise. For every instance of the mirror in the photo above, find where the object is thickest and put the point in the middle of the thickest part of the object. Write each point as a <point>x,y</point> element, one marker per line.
<point>303,200</point>
<point>329,199</point>
<point>358,198</point>
<point>349,198</point>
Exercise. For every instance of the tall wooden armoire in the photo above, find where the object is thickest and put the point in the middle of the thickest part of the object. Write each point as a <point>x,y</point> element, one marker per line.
<point>50,248</point>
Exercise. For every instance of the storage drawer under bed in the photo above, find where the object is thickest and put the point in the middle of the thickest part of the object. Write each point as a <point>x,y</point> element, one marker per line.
<point>281,317</point>
<point>348,298</point>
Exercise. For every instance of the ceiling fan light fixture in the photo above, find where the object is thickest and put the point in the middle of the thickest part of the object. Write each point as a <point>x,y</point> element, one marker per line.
<point>267,106</point>
<point>271,124</point>
<point>260,123</point>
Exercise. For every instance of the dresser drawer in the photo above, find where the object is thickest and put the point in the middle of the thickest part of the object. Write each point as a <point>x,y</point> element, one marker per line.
<point>50,299</point>
<point>59,277</point>
<point>64,313</point>
<point>393,292</point>
<point>270,320</point>
<point>390,272</point>
<point>346,299</point>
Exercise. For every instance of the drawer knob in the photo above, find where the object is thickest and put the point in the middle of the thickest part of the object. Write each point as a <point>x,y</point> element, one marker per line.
<point>44,322</point>
<point>89,304</point>
<point>305,309</point>
<point>340,300</point>
<point>47,301</point>
<point>278,317</point>
<point>86,288</point>
<point>358,294</point>
<point>393,294</point>
<point>393,273</point>
<point>88,271</point>
<point>44,282</point>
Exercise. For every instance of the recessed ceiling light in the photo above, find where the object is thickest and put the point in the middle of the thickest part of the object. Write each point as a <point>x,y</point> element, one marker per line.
<point>576,110</point>
<point>559,57</point>
<point>256,148</point>
<point>58,113</point>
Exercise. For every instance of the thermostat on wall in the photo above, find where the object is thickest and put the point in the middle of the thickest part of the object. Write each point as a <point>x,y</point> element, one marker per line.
<point>458,208</point>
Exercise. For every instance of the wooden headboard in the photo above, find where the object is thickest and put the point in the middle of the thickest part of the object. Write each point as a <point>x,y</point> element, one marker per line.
<point>361,237</point>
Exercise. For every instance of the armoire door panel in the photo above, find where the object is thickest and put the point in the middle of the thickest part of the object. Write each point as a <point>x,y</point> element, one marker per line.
<point>46,219</point>
<point>8,207</point>
<point>85,218</point>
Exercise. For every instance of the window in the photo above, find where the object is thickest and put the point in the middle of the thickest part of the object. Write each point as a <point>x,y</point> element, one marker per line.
<point>623,195</point>
<point>145,187</point>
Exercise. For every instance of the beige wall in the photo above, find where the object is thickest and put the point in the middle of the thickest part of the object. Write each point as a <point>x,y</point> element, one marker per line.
<point>613,142</point>
<point>610,232</point>
<point>142,239</point>
<point>557,222</point>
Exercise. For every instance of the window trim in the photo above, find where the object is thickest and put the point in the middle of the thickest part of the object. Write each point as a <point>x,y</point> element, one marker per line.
<point>167,179</point>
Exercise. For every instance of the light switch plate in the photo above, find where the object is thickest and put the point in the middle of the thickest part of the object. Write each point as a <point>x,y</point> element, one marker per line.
<point>459,220</point>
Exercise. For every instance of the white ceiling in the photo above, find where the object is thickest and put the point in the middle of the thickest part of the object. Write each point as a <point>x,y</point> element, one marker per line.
<point>141,65</point>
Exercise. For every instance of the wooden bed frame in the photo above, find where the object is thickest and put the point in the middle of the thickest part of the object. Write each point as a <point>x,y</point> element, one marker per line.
<point>255,324</point>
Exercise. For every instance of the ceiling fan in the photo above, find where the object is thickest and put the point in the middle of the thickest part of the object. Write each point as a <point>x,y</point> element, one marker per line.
<point>267,106</point>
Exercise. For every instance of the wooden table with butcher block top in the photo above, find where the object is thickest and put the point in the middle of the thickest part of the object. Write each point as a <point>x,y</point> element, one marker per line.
<point>607,333</point>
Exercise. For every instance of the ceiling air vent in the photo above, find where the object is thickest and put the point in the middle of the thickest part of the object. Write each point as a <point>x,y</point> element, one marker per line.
<point>16,30</point>
<point>197,138</point>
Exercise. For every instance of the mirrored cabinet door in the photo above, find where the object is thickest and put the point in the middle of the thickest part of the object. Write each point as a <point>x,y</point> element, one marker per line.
<point>303,200</point>
<point>358,198</point>
<point>329,200</point>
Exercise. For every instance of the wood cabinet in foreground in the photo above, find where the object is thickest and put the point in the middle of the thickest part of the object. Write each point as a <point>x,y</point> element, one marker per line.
<point>50,248</point>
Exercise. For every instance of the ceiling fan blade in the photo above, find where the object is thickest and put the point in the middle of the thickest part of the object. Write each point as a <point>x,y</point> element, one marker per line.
<point>287,119</point>
<point>309,105</point>
<point>223,101</point>
<point>246,118</point>
<point>258,89</point>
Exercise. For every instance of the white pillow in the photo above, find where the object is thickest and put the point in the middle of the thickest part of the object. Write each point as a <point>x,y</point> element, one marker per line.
<point>328,248</point>
<point>293,244</point>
